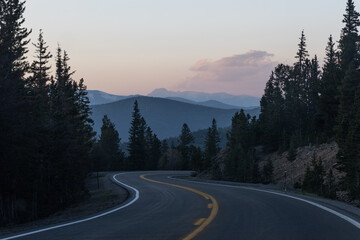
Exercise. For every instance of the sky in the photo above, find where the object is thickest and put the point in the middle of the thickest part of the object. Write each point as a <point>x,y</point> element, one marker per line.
<point>135,46</point>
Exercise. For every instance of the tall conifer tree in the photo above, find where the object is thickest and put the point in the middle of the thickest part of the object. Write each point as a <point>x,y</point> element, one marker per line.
<point>211,144</point>
<point>329,92</point>
<point>348,44</point>
<point>186,139</point>
<point>137,143</point>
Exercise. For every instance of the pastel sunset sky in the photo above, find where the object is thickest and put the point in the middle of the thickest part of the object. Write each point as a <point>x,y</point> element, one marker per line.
<point>134,46</point>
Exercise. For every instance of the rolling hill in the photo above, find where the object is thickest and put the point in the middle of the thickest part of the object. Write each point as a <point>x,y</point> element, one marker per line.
<point>234,100</point>
<point>164,116</point>
<point>209,103</point>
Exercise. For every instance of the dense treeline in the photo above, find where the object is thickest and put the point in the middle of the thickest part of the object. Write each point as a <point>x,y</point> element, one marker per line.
<point>45,129</point>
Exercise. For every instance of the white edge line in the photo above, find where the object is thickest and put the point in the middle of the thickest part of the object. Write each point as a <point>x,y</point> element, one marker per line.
<point>344,217</point>
<point>137,196</point>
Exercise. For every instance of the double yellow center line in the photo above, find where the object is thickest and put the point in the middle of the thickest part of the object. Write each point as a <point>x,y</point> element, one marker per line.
<point>204,221</point>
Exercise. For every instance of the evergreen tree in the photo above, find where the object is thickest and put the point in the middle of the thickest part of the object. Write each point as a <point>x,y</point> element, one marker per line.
<point>39,68</point>
<point>109,155</point>
<point>153,149</point>
<point>37,86</point>
<point>186,138</point>
<point>240,163</point>
<point>329,92</point>
<point>211,145</point>
<point>272,104</point>
<point>137,143</point>
<point>348,44</point>
<point>302,53</point>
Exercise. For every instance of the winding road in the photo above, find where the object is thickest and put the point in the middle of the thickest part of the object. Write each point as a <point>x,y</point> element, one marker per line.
<point>161,207</point>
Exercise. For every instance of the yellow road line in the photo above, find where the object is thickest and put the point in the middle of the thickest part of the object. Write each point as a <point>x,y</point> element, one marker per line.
<point>199,221</point>
<point>206,221</point>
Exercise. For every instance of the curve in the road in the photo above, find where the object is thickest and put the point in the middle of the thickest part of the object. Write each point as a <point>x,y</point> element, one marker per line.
<point>204,222</point>
<point>340,215</point>
<point>137,196</point>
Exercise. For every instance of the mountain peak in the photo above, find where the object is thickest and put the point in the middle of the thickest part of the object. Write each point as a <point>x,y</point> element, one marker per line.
<point>159,92</point>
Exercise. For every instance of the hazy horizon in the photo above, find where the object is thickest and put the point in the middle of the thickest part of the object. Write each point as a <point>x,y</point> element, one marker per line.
<point>177,91</point>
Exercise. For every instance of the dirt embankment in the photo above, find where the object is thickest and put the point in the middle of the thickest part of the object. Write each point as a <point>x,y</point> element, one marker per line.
<point>295,170</point>
<point>104,194</point>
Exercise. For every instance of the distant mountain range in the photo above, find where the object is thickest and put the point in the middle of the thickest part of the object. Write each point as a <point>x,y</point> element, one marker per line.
<point>216,100</point>
<point>210,103</point>
<point>97,97</point>
<point>164,116</point>
<point>240,101</point>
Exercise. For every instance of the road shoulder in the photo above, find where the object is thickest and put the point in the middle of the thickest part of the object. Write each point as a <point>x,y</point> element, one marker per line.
<point>341,207</point>
<point>104,195</point>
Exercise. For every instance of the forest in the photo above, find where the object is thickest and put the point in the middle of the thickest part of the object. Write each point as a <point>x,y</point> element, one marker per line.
<point>48,146</point>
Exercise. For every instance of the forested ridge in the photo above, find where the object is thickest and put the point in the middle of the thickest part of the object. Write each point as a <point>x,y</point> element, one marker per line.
<point>48,146</point>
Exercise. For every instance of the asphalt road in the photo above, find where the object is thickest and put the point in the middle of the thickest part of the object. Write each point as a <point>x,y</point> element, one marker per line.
<point>191,210</point>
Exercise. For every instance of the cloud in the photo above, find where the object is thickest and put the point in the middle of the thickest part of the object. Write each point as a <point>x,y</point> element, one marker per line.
<point>240,74</point>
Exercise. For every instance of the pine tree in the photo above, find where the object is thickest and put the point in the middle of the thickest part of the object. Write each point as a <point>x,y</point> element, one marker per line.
<point>38,96</point>
<point>329,92</point>
<point>302,53</point>
<point>153,149</point>
<point>109,155</point>
<point>240,163</point>
<point>137,143</point>
<point>39,68</point>
<point>186,138</point>
<point>272,109</point>
<point>348,44</point>
<point>211,145</point>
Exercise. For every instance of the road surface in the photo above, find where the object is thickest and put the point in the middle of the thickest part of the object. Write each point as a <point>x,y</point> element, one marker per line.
<point>170,208</point>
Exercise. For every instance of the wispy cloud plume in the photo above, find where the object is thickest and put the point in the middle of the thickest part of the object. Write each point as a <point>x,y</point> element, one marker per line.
<point>241,74</point>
